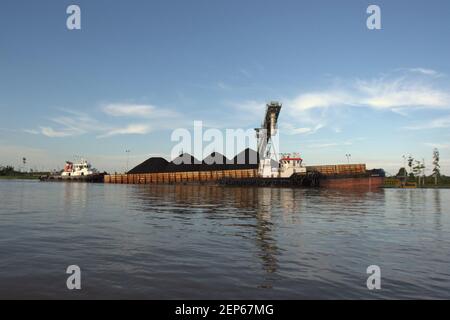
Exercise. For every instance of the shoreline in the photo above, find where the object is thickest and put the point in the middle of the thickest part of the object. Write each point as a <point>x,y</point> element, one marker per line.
<point>19,177</point>
<point>382,187</point>
<point>425,187</point>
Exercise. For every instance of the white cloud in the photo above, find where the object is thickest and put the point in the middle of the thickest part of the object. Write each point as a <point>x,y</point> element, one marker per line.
<point>321,99</point>
<point>289,128</point>
<point>31,131</point>
<point>119,110</point>
<point>401,93</point>
<point>71,123</point>
<point>51,133</point>
<point>329,145</point>
<point>137,110</point>
<point>75,123</point>
<point>393,92</point>
<point>301,130</point>
<point>384,93</point>
<point>425,71</point>
<point>130,129</point>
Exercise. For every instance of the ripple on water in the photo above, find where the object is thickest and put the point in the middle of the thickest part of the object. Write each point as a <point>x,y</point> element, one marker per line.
<point>178,242</point>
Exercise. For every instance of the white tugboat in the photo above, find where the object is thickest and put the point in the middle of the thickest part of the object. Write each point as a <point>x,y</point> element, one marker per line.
<point>79,171</point>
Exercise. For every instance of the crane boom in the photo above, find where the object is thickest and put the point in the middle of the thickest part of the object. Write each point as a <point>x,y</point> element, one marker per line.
<point>264,136</point>
<point>271,119</point>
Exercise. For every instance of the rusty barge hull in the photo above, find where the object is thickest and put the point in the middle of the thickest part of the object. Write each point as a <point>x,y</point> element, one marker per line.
<point>242,170</point>
<point>212,176</point>
<point>250,177</point>
<point>367,182</point>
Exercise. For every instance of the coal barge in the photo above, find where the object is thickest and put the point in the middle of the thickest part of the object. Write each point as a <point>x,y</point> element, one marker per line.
<point>252,168</point>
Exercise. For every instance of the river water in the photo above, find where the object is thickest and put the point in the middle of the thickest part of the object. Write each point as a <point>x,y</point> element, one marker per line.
<point>208,242</point>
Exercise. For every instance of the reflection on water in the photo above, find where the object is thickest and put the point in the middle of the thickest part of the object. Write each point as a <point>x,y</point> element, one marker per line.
<point>255,203</point>
<point>194,241</point>
<point>437,206</point>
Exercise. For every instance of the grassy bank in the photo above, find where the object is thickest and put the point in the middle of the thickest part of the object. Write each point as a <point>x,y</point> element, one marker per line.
<point>20,177</point>
<point>421,187</point>
<point>427,183</point>
<point>9,173</point>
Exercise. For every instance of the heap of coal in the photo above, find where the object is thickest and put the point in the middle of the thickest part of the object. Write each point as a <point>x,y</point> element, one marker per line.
<point>247,159</point>
<point>151,165</point>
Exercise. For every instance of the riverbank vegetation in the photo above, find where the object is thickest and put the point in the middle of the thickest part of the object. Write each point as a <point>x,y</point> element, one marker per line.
<point>9,172</point>
<point>413,175</point>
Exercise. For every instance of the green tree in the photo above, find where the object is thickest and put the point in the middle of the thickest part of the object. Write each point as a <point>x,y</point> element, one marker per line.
<point>418,170</point>
<point>410,165</point>
<point>437,167</point>
<point>402,172</point>
<point>6,171</point>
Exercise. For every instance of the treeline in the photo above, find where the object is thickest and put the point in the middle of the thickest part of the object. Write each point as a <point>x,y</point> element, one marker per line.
<point>416,172</point>
<point>10,171</point>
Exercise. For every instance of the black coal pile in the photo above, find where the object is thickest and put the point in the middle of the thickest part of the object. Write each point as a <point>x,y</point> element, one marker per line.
<point>150,166</point>
<point>184,162</point>
<point>247,159</point>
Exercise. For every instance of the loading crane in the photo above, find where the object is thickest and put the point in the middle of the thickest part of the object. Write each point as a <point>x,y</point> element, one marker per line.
<point>265,143</point>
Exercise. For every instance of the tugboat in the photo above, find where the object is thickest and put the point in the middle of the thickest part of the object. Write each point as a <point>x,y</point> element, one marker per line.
<point>81,171</point>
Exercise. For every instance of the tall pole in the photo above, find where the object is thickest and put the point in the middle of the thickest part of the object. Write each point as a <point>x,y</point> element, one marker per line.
<point>423,171</point>
<point>128,155</point>
<point>404,170</point>
<point>348,155</point>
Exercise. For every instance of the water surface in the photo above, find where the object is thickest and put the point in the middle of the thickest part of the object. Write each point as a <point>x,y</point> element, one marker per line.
<point>189,242</point>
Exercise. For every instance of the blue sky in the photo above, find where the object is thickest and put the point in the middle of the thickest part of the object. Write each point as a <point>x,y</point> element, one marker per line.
<point>139,69</point>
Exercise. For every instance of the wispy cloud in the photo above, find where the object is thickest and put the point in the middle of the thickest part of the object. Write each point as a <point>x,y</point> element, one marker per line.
<point>70,123</point>
<point>52,133</point>
<point>74,123</point>
<point>402,93</point>
<point>330,144</point>
<point>289,128</point>
<point>138,110</point>
<point>31,131</point>
<point>381,93</point>
<point>321,99</point>
<point>425,71</point>
<point>119,110</point>
<point>130,129</point>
